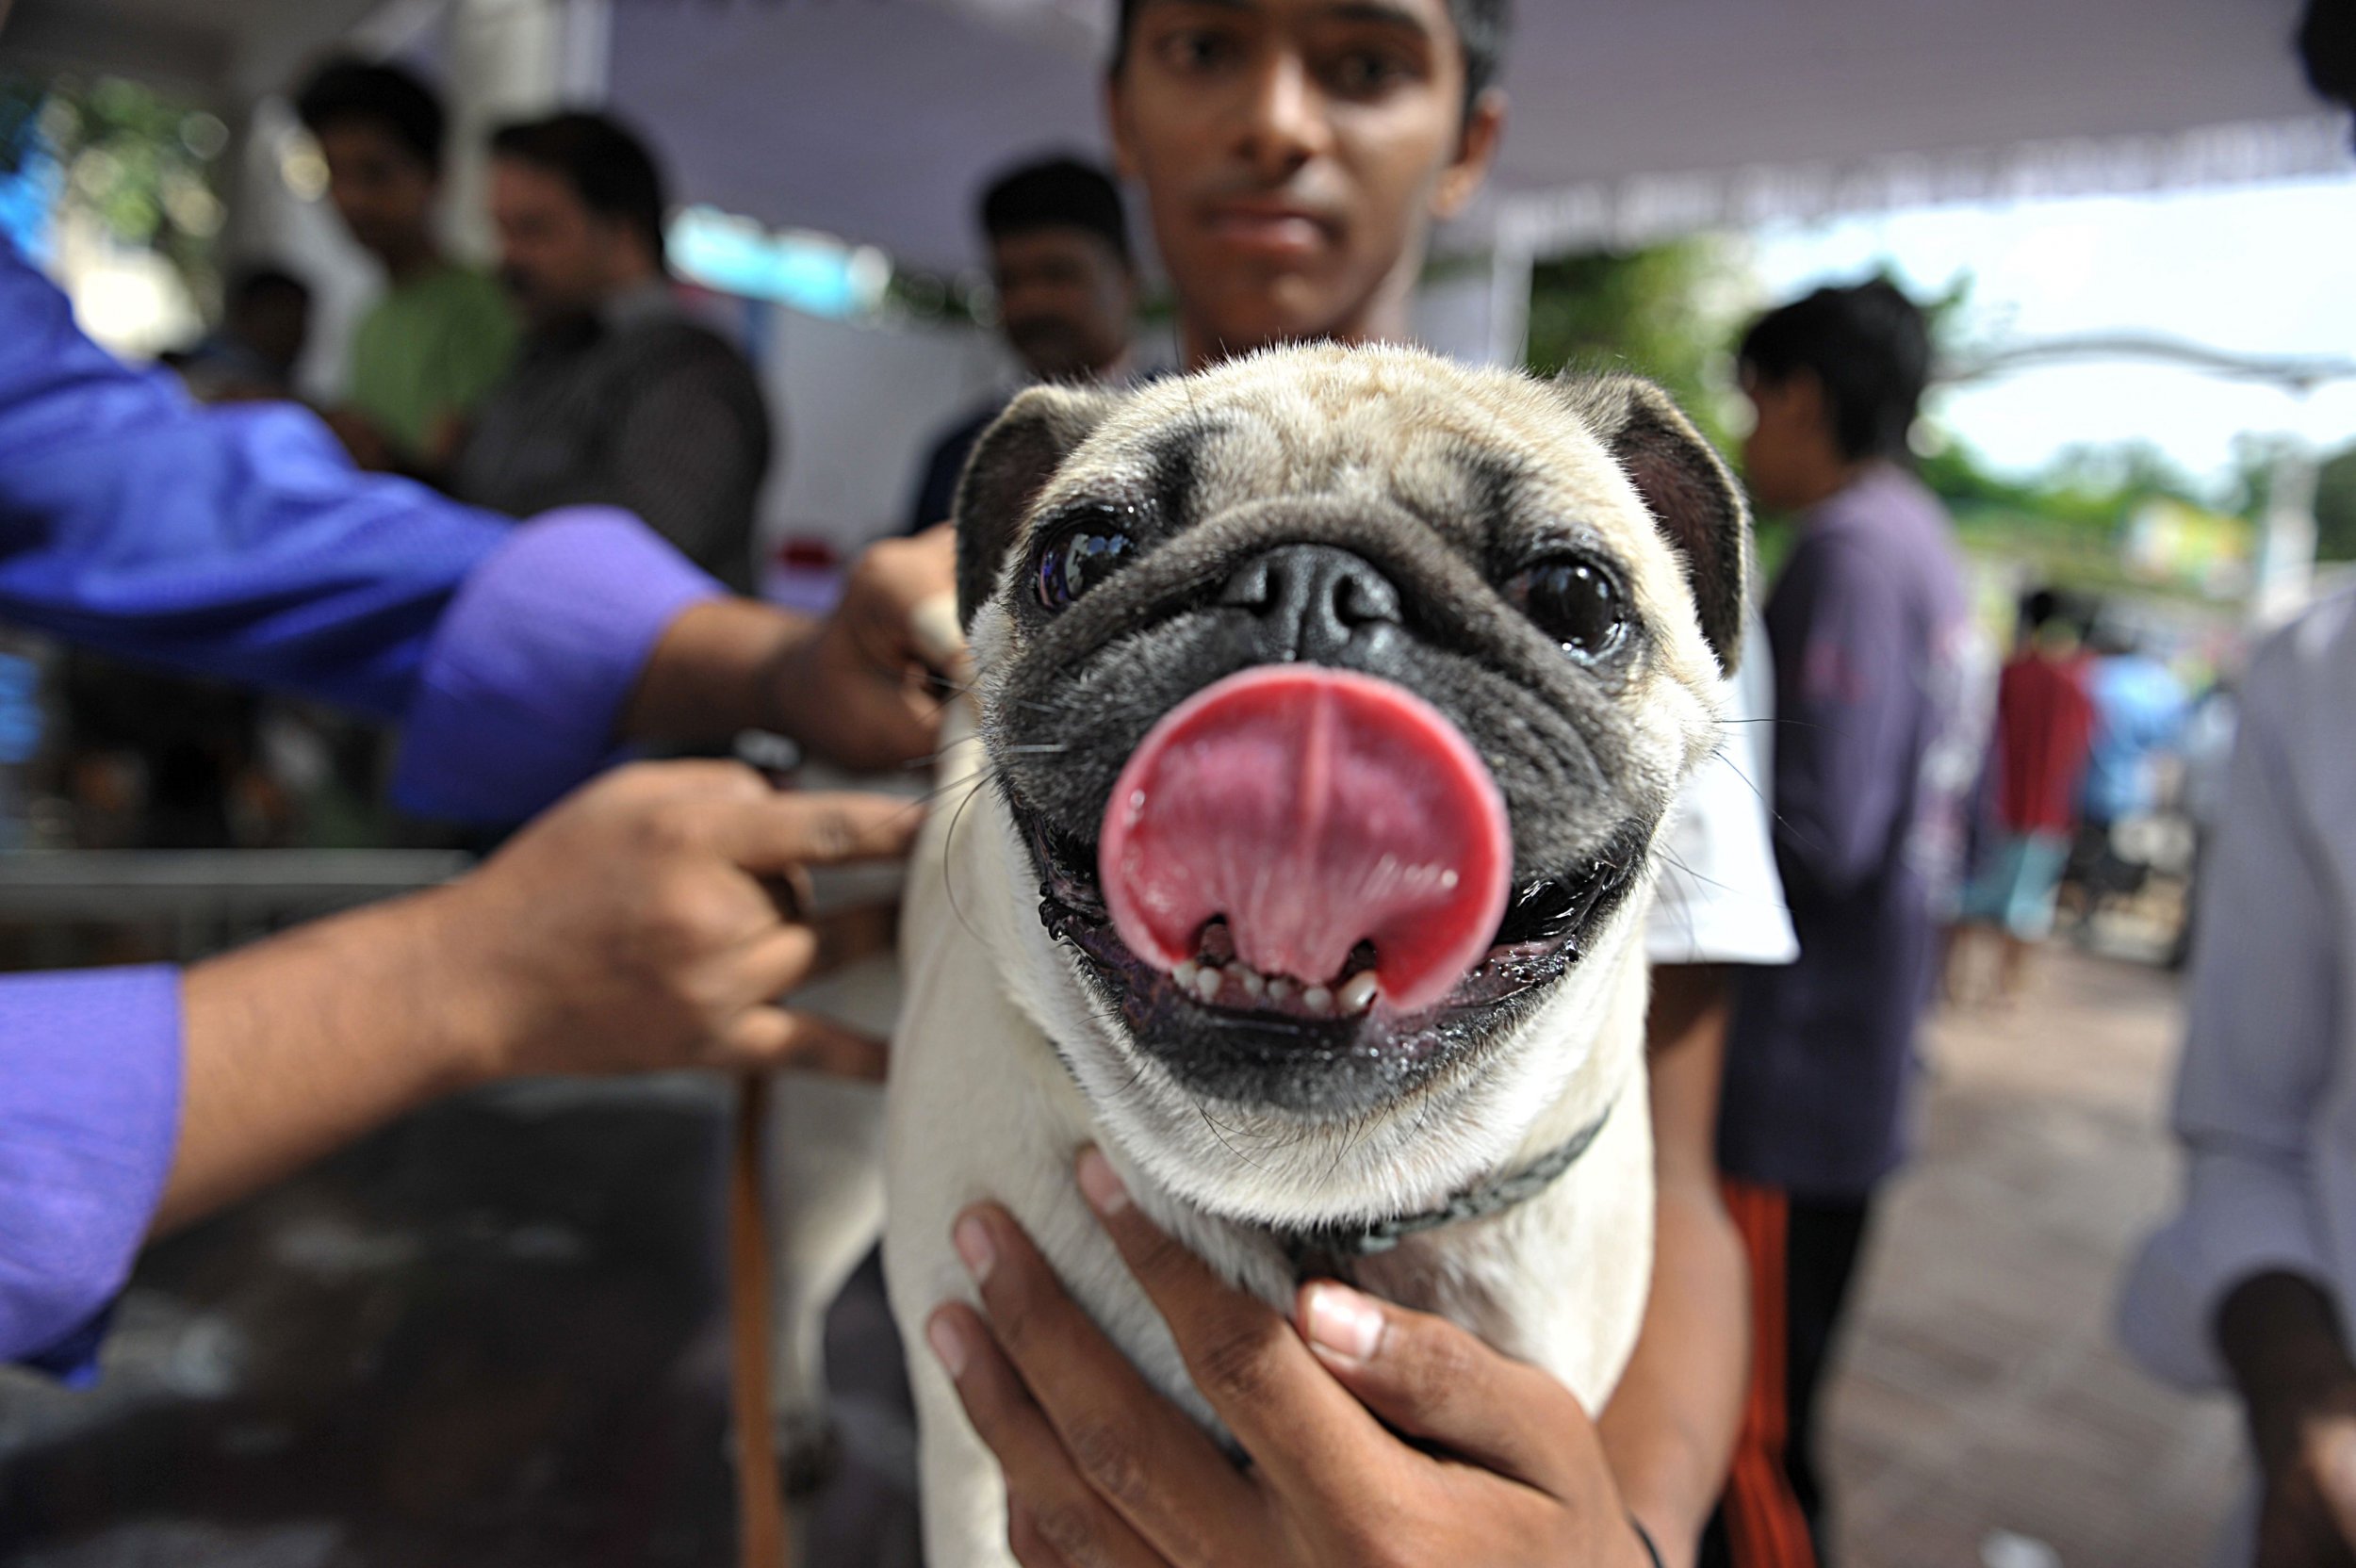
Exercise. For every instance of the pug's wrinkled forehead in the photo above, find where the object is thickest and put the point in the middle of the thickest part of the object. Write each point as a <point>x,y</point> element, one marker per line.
<point>1499,468</point>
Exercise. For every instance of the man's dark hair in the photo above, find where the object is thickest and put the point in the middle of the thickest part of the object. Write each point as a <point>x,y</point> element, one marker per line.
<point>1056,194</point>
<point>2038,607</point>
<point>258,281</point>
<point>1482,26</point>
<point>1867,345</point>
<point>394,100</point>
<point>2327,44</point>
<point>608,167</point>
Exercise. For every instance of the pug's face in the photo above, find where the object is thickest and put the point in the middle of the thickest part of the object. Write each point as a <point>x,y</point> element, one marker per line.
<point>1332,699</point>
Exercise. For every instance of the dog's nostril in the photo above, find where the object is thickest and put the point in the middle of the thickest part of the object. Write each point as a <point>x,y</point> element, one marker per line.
<point>1311,602</point>
<point>1356,601</point>
<point>1252,588</point>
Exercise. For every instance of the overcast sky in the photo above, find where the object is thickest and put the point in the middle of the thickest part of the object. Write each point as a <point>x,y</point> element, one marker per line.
<point>2262,269</point>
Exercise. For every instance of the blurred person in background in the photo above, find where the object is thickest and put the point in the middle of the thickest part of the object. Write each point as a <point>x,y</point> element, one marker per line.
<point>1869,625</point>
<point>1067,288</point>
<point>1295,157</point>
<point>2250,1286</point>
<point>2139,712</point>
<point>620,398</point>
<point>2207,744</point>
<point>441,334</point>
<point>2044,721</point>
<point>265,325</point>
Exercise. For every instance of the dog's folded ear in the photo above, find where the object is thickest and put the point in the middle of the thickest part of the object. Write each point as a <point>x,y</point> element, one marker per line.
<point>1693,499</point>
<point>1011,463</point>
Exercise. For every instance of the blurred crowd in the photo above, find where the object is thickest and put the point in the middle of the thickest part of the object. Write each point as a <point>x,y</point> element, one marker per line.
<point>1938,810</point>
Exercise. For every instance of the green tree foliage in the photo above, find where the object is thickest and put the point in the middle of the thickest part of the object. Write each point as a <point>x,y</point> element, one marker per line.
<point>140,164</point>
<point>2335,507</point>
<point>1665,311</point>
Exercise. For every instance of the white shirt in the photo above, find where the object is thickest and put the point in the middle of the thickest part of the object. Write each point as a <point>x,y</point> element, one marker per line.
<point>1719,900</point>
<point>2266,1095</point>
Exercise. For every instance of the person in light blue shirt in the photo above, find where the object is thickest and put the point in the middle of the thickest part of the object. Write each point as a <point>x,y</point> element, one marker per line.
<point>2139,709</point>
<point>632,927</point>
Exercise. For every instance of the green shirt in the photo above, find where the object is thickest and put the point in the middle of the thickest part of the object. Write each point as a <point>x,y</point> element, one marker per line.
<point>426,352</point>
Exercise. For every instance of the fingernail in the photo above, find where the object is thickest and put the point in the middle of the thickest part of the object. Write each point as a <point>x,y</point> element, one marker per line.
<point>1100,1183</point>
<point>948,1343</point>
<point>974,1246</point>
<point>1343,1323</point>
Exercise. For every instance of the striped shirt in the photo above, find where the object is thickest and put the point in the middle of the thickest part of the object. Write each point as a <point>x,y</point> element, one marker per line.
<point>637,407</point>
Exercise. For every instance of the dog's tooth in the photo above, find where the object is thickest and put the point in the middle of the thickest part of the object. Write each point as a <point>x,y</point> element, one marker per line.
<point>1282,989</point>
<point>1254,985</point>
<point>1357,993</point>
<point>1185,975</point>
<point>1449,877</point>
<point>1318,1000</point>
<point>1207,981</point>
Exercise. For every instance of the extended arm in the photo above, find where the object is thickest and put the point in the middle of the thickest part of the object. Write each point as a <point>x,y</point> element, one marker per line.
<point>1671,1423</point>
<point>670,957</point>
<point>239,543</point>
<point>134,1099</point>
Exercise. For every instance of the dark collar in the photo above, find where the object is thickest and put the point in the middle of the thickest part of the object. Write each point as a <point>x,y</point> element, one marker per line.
<point>1333,1249</point>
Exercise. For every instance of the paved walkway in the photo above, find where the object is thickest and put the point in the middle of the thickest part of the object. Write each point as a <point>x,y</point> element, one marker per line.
<point>1981,1389</point>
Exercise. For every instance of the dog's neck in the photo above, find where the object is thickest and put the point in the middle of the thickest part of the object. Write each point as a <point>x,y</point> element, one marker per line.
<point>1401,1246</point>
<point>1336,1250</point>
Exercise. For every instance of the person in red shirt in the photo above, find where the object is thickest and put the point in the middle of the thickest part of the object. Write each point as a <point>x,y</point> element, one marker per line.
<point>2044,726</point>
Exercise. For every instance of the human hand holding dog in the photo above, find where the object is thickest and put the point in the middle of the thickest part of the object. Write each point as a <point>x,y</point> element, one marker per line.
<point>861,691</point>
<point>1376,1435</point>
<point>858,688</point>
<point>646,922</point>
<point>652,921</point>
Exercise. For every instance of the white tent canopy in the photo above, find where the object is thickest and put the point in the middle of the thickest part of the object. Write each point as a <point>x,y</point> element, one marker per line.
<point>877,120</point>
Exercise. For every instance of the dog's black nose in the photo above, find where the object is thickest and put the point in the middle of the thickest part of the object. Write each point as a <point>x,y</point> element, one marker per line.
<point>1310,602</point>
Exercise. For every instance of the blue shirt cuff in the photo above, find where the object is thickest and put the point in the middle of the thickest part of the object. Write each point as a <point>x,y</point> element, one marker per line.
<point>89,1113</point>
<point>526,676</point>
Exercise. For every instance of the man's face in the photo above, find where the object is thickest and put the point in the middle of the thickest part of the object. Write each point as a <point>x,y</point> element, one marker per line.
<point>1294,153</point>
<point>1064,301</point>
<point>556,257</point>
<point>381,189</point>
<point>1787,438</point>
<point>274,325</point>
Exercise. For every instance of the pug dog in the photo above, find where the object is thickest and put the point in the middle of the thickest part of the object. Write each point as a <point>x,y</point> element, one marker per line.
<point>1295,848</point>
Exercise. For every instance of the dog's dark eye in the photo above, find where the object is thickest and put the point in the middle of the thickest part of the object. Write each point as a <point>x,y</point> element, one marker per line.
<point>1081,555</point>
<point>1575,601</point>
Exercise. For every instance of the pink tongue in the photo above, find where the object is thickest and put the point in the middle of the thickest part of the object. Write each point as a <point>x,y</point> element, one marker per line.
<point>1315,809</point>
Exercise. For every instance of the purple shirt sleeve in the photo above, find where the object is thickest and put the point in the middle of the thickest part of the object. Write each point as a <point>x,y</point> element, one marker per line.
<point>545,640</point>
<point>89,1111</point>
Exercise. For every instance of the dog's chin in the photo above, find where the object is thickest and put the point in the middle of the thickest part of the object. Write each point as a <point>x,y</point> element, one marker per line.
<point>1319,1054</point>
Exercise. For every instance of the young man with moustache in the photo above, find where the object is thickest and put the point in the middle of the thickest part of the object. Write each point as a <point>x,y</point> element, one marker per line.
<point>618,397</point>
<point>1295,154</point>
<point>1059,240</point>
